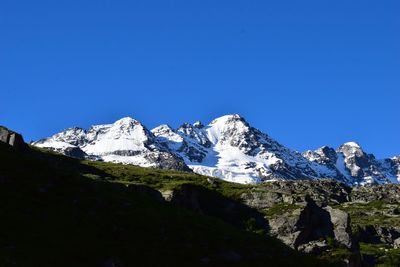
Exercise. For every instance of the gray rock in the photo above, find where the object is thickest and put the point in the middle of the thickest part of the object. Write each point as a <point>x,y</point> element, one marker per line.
<point>300,226</point>
<point>375,234</point>
<point>12,138</point>
<point>312,223</point>
<point>314,247</point>
<point>396,243</point>
<point>323,192</point>
<point>341,226</point>
<point>74,152</point>
<point>167,194</point>
<point>388,193</point>
<point>262,199</point>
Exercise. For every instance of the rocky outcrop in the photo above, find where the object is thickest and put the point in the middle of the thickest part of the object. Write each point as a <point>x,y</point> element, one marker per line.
<point>396,243</point>
<point>12,138</point>
<point>375,234</point>
<point>323,192</point>
<point>311,223</point>
<point>314,247</point>
<point>211,203</point>
<point>341,226</point>
<point>73,152</point>
<point>388,193</point>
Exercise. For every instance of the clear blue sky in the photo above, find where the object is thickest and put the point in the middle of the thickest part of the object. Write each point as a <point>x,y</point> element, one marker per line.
<point>308,73</point>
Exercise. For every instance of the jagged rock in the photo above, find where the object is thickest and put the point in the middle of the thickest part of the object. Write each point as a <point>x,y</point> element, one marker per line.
<point>314,247</point>
<point>341,226</point>
<point>73,152</point>
<point>300,226</point>
<point>388,193</point>
<point>261,199</point>
<point>355,159</point>
<point>168,161</point>
<point>228,148</point>
<point>167,195</point>
<point>323,192</point>
<point>375,234</point>
<point>396,243</point>
<point>12,138</point>
<point>311,223</point>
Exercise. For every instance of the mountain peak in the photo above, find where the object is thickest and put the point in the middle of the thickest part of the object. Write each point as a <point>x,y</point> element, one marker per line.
<point>352,144</point>
<point>226,118</point>
<point>163,128</point>
<point>351,148</point>
<point>228,148</point>
<point>126,121</point>
<point>198,125</point>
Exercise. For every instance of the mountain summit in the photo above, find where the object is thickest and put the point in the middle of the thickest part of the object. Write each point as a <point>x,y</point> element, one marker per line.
<point>228,148</point>
<point>124,141</point>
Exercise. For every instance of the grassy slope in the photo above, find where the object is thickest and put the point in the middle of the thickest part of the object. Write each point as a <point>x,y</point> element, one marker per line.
<point>57,211</point>
<point>372,213</point>
<point>375,213</point>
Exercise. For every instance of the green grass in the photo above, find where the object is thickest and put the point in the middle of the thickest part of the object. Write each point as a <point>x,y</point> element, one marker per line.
<point>279,209</point>
<point>371,213</point>
<point>185,235</point>
<point>58,211</point>
<point>383,255</point>
<point>164,179</point>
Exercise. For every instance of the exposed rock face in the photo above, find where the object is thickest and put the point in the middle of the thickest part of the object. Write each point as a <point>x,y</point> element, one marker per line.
<point>314,247</point>
<point>374,234</point>
<point>356,160</point>
<point>310,224</point>
<point>323,192</point>
<point>355,166</point>
<point>74,152</point>
<point>396,243</point>
<point>324,155</point>
<point>231,149</point>
<point>389,193</point>
<point>341,226</point>
<point>12,138</point>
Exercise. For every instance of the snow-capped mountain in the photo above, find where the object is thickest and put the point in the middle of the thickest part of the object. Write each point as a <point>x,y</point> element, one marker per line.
<point>125,141</point>
<point>231,149</point>
<point>355,165</point>
<point>228,148</point>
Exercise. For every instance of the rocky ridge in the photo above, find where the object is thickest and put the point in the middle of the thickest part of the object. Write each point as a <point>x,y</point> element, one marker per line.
<point>228,148</point>
<point>125,141</point>
<point>12,138</point>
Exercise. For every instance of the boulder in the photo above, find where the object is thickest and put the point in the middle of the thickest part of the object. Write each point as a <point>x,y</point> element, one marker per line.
<point>12,138</point>
<point>300,226</point>
<point>341,226</point>
<point>375,234</point>
<point>314,247</point>
<point>396,243</point>
<point>311,223</point>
